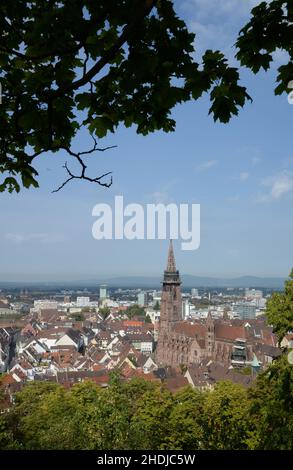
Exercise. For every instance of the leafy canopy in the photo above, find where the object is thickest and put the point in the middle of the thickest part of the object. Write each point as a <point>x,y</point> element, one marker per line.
<point>70,64</point>
<point>279,310</point>
<point>270,29</point>
<point>140,414</point>
<point>74,63</point>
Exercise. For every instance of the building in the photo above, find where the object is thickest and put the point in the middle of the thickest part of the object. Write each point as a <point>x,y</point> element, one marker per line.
<point>245,310</point>
<point>103,292</point>
<point>142,342</point>
<point>253,294</point>
<point>82,302</point>
<point>142,299</point>
<point>186,306</point>
<point>227,341</point>
<point>44,305</point>
<point>6,309</point>
<point>171,311</point>
<point>194,293</point>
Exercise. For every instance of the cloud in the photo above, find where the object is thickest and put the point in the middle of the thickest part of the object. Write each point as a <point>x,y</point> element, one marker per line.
<point>162,195</point>
<point>206,165</point>
<point>217,22</point>
<point>279,185</point>
<point>216,8</point>
<point>33,237</point>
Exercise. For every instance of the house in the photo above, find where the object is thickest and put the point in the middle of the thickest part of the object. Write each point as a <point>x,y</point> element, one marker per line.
<point>287,341</point>
<point>71,338</point>
<point>29,329</point>
<point>8,336</point>
<point>206,375</point>
<point>142,342</point>
<point>6,309</point>
<point>269,353</point>
<point>31,343</point>
<point>49,315</point>
<point>4,355</point>
<point>22,370</point>
<point>50,336</point>
<point>69,378</point>
<point>102,339</point>
<point>173,384</point>
<point>88,334</point>
<point>149,365</point>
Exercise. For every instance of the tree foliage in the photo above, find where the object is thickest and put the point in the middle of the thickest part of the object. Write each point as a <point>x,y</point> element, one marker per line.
<point>269,30</point>
<point>157,306</point>
<point>104,312</point>
<point>135,311</point>
<point>271,408</point>
<point>227,420</point>
<point>81,63</point>
<point>139,414</point>
<point>77,316</point>
<point>279,310</point>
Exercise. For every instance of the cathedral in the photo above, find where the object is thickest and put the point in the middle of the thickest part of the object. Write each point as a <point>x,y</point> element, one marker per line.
<point>182,342</point>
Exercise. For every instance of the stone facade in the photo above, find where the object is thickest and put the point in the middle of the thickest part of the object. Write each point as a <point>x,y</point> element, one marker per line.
<point>184,343</point>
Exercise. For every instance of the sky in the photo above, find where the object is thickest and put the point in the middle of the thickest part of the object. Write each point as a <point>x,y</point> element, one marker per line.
<point>240,173</point>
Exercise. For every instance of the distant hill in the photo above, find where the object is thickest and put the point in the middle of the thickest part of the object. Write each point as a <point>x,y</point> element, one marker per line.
<point>189,280</point>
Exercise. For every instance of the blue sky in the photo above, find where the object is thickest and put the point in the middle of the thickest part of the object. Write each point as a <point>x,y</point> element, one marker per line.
<point>241,174</point>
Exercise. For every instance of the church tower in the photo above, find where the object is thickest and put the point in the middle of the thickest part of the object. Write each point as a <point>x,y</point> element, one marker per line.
<point>210,335</point>
<point>171,307</point>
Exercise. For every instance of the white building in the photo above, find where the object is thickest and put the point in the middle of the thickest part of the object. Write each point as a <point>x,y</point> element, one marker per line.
<point>153,314</point>
<point>45,305</point>
<point>194,293</point>
<point>82,301</point>
<point>253,294</point>
<point>142,299</point>
<point>103,292</point>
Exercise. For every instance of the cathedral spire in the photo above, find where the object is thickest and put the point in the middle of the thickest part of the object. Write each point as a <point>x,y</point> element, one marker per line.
<point>171,265</point>
<point>171,309</point>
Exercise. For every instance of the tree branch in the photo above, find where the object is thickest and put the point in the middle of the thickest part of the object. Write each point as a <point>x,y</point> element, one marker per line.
<point>45,55</point>
<point>83,176</point>
<point>127,32</point>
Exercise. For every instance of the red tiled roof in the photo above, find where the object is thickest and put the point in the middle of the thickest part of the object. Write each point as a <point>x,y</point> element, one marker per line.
<point>96,367</point>
<point>175,383</point>
<point>195,330</point>
<point>7,379</point>
<point>229,332</point>
<point>127,323</point>
<point>102,379</point>
<point>19,373</point>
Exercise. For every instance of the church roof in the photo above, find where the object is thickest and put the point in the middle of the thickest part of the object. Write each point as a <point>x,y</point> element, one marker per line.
<point>196,330</point>
<point>228,332</point>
